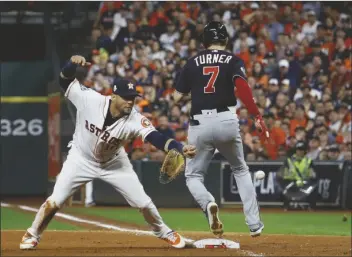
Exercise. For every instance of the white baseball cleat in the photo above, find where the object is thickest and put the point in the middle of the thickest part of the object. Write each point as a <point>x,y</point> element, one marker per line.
<point>29,242</point>
<point>91,204</point>
<point>258,231</point>
<point>213,218</point>
<point>174,239</point>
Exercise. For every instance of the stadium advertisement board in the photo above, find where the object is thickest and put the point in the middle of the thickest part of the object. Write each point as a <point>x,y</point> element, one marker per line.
<point>329,175</point>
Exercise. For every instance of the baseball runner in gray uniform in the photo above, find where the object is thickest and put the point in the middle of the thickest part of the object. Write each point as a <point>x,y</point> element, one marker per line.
<point>214,77</point>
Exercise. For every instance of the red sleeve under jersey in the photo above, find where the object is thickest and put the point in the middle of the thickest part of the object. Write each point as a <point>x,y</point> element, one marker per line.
<point>244,93</point>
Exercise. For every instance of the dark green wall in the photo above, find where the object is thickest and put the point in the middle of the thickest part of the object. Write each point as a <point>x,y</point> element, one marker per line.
<point>25,78</point>
<point>24,165</point>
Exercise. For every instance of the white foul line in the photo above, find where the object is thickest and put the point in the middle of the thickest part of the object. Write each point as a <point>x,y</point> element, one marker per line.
<point>5,205</point>
<point>96,223</point>
<point>113,227</point>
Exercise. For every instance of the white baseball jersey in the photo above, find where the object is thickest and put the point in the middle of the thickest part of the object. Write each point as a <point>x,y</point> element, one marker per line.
<point>89,138</point>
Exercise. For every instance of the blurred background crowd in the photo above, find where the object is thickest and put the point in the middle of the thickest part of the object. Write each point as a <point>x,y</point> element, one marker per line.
<point>297,57</point>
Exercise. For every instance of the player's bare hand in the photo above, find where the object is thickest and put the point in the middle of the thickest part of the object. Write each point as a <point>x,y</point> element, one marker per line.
<point>189,151</point>
<point>80,60</point>
<point>261,127</point>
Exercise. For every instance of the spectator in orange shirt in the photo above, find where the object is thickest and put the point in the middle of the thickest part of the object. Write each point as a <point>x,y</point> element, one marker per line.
<point>340,78</point>
<point>259,75</point>
<point>252,59</point>
<point>299,119</point>
<point>245,9</point>
<point>328,45</point>
<point>257,22</point>
<point>141,103</point>
<point>264,36</point>
<point>168,87</point>
<point>246,135</point>
<point>244,54</point>
<point>297,6</point>
<point>191,9</point>
<point>158,17</point>
<point>287,18</point>
<point>277,137</point>
<point>262,51</point>
<point>257,148</point>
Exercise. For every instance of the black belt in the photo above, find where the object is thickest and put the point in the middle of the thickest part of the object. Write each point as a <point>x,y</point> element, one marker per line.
<point>193,122</point>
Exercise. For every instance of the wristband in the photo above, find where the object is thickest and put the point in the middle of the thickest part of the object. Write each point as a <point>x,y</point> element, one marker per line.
<point>174,144</point>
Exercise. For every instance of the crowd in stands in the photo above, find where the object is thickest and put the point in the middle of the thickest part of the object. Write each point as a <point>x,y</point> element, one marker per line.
<point>297,57</point>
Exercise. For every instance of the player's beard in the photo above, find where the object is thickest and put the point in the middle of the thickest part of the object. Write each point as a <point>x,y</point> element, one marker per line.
<point>127,110</point>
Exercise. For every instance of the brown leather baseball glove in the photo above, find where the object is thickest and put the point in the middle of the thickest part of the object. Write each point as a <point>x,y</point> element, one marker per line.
<point>175,163</point>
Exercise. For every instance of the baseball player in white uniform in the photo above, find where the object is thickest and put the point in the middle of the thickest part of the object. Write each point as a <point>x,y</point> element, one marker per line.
<point>103,125</point>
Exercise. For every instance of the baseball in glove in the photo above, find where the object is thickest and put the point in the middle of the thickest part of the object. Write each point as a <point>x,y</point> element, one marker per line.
<point>173,165</point>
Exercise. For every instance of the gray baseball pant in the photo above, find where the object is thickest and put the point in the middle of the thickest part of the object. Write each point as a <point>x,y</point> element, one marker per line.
<point>220,131</point>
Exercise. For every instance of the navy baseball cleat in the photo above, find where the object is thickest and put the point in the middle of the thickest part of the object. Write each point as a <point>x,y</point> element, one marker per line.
<point>215,224</point>
<point>258,231</point>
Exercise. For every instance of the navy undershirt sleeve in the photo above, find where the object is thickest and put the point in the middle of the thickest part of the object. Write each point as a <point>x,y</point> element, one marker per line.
<point>159,140</point>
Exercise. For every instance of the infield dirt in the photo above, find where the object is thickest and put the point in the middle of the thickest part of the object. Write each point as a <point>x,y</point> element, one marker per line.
<point>111,243</point>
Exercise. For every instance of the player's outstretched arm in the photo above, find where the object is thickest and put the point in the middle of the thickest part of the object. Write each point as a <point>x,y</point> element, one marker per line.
<point>244,93</point>
<point>68,71</point>
<point>166,144</point>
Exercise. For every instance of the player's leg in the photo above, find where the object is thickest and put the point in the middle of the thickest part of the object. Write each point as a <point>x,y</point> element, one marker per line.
<point>228,141</point>
<point>122,177</point>
<point>89,201</point>
<point>196,169</point>
<point>72,176</point>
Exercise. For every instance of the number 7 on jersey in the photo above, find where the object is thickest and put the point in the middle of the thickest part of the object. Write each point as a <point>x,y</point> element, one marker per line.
<point>214,71</point>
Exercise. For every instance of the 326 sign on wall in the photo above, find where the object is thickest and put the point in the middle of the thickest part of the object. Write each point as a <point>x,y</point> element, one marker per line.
<point>21,127</point>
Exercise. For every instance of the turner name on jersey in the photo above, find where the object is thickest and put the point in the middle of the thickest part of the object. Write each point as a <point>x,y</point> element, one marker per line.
<point>212,58</point>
